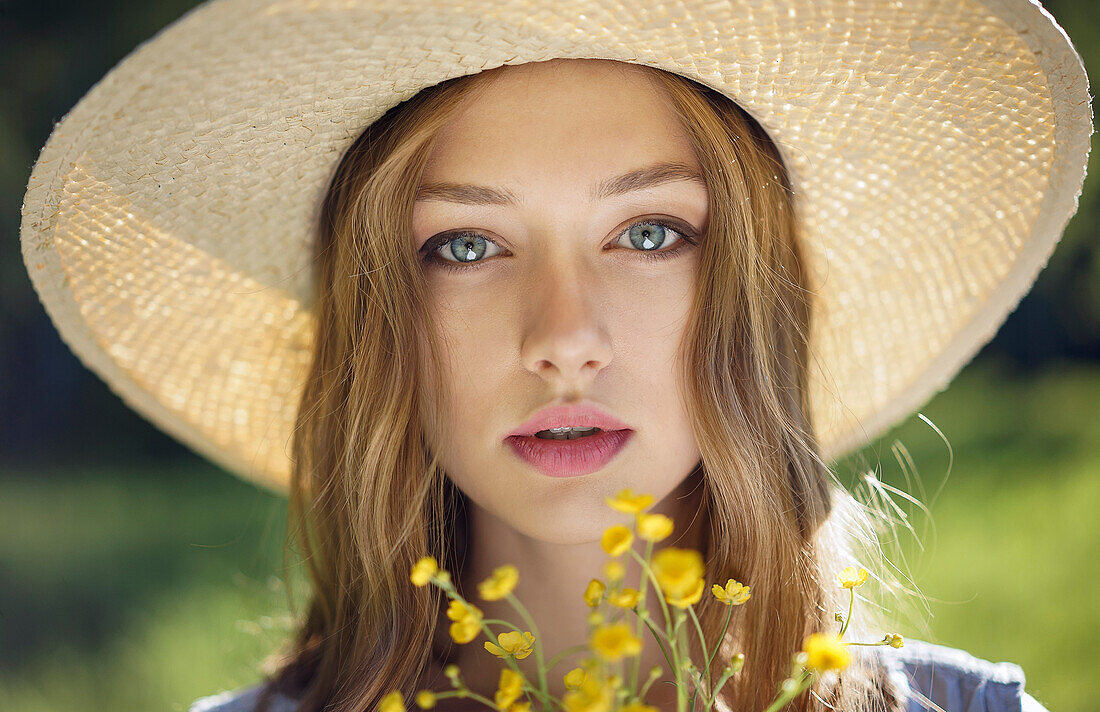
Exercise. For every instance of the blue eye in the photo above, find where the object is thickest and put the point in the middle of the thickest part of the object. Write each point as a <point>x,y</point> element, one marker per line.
<point>467,249</point>
<point>650,236</point>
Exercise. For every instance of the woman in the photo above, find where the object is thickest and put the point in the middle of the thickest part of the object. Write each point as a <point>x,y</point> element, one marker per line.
<point>433,379</point>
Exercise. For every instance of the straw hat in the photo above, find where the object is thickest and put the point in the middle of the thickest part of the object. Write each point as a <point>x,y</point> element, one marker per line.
<point>936,150</point>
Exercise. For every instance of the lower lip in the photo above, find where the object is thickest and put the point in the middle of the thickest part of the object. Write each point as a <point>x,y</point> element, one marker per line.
<point>570,458</point>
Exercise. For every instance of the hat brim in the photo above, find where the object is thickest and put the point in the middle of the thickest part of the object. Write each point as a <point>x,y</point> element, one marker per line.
<point>936,151</point>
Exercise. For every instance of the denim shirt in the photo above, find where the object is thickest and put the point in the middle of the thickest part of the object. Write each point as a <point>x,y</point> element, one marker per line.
<point>929,677</point>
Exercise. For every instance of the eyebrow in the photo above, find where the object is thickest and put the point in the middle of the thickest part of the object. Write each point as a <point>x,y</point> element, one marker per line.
<point>648,177</point>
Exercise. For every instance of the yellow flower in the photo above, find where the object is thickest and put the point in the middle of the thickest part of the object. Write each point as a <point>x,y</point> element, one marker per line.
<point>592,696</point>
<point>894,640</point>
<point>520,707</point>
<point>679,573</point>
<point>826,651</point>
<point>733,594</point>
<point>392,702</point>
<point>594,592</point>
<point>614,570</point>
<point>850,577</point>
<point>613,642</point>
<point>499,584</point>
<point>616,540</point>
<point>512,643</point>
<point>423,570</point>
<point>509,689</point>
<point>628,502</point>
<point>425,699</point>
<point>638,706</point>
<point>689,598</point>
<point>574,678</point>
<point>654,527</point>
<point>467,621</point>
<point>626,598</point>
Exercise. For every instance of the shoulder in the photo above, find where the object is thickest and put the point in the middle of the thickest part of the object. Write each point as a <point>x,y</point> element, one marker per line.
<point>241,700</point>
<point>934,677</point>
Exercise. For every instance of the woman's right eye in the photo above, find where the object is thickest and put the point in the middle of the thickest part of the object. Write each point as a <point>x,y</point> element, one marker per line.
<point>462,248</point>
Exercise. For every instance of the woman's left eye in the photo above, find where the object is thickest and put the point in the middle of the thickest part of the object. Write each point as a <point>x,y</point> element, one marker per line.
<point>649,237</point>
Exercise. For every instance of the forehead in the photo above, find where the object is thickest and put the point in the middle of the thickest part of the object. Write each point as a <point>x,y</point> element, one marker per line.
<point>532,125</point>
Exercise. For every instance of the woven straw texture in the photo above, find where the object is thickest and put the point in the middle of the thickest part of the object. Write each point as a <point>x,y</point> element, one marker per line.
<point>937,150</point>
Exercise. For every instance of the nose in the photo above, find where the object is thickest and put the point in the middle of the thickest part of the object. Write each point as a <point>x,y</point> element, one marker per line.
<point>565,342</point>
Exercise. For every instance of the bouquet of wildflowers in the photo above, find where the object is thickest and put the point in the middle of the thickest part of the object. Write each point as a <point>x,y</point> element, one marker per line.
<point>608,679</point>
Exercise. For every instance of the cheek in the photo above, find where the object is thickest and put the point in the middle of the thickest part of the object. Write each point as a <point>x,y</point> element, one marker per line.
<point>470,337</point>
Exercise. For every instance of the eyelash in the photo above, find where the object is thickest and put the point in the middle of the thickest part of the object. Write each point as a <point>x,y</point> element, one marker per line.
<point>433,245</point>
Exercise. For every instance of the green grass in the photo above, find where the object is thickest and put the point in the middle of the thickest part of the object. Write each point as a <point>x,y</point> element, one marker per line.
<point>143,588</point>
<point>1009,566</point>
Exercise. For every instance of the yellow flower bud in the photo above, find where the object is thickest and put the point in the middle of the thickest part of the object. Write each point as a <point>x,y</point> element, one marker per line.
<point>465,630</point>
<point>499,584</point>
<point>520,707</point>
<point>677,570</point>
<point>614,641</point>
<point>850,577</point>
<point>616,540</point>
<point>425,699</point>
<point>626,598</point>
<point>628,502</point>
<point>689,597</point>
<point>614,570</point>
<point>894,640</point>
<point>423,570</point>
<point>594,592</point>
<point>467,621</point>
<point>595,618</point>
<point>654,527</point>
<point>737,662</point>
<point>392,702</point>
<point>639,706</point>
<point>593,695</point>
<point>825,651</point>
<point>452,672</point>
<point>573,679</point>
<point>509,688</point>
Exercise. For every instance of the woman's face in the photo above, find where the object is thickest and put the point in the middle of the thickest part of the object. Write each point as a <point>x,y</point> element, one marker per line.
<point>557,214</point>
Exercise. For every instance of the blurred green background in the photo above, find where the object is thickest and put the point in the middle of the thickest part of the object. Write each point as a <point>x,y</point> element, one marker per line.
<point>136,576</point>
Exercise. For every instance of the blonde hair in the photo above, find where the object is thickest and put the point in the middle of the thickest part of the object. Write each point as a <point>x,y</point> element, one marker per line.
<point>368,497</point>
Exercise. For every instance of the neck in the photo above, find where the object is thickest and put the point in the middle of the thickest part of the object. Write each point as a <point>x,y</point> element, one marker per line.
<point>552,579</point>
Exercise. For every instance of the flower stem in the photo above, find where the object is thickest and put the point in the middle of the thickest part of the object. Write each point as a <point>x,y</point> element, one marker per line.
<point>677,646</point>
<point>787,696</point>
<point>702,645</point>
<point>721,638</point>
<point>656,636</point>
<point>538,644</point>
<point>563,654</point>
<point>718,688</point>
<point>642,588</point>
<point>470,693</point>
<point>499,621</point>
<point>656,587</point>
<point>848,618</point>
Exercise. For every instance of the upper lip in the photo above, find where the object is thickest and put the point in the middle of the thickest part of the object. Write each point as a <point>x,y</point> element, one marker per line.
<point>559,416</point>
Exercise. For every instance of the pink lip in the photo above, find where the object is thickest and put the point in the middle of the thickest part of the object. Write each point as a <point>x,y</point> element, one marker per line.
<point>559,416</point>
<point>570,458</point>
